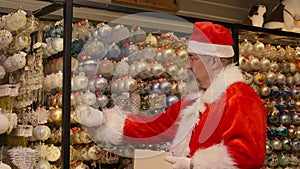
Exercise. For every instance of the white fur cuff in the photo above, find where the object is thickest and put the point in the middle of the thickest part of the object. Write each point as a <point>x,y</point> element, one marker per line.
<point>112,130</point>
<point>214,157</point>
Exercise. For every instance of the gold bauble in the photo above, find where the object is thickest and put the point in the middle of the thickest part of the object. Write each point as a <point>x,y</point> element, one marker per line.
<point>56,115</point>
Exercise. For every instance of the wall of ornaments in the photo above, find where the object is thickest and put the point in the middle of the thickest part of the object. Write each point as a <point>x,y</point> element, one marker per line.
<point>112,65</point>
<point>273,72</point>
<point>127,67</point>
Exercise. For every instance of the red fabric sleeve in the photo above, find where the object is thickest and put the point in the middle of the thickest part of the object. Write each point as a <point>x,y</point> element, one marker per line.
<point>244,127</point>
<point>152,129</point>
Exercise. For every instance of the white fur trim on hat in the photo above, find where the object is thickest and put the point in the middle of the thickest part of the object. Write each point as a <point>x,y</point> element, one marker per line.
<point>214,157</point>
<point>223,51</point>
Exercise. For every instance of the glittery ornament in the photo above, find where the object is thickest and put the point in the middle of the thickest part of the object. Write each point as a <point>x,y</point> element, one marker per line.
<point>151,40</point>
<point>135,102</point>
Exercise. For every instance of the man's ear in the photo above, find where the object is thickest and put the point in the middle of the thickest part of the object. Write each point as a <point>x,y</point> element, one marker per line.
<point>216,63</point>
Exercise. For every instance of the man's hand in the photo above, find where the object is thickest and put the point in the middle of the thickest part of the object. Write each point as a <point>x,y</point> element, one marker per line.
<point>179,162</point>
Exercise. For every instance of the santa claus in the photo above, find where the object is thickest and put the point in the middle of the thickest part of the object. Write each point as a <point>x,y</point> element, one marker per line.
<point>221,125</point>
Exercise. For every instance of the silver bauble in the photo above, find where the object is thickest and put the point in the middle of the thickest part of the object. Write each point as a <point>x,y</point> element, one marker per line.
<point>269,148</point>
<point>171,100</point>
<point>284,67</point>
<point>90,67</point>
<point>168,54</point>
<point>172,70</point>
<point>290,80</point>
<point>101,100</point>
<point>131,84</point>
<point>276,144</point>
<point>265,91</point>
<point>101,83</point>
<point>271,78</point>
<point>297,78</point>
<point>165,86</point>
<point>91,84</point>
<point>157,69</point>
<point>293,67</point>
<point>274,67</point>
<point>89,98</point>
<point>254,63</point>
<point>281,79</point>
<point>265,65</point>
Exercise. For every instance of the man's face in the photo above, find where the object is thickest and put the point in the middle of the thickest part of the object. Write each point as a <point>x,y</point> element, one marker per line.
<point>201,68</point>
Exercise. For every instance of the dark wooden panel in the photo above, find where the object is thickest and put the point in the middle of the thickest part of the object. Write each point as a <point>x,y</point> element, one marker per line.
<point>169,5</point>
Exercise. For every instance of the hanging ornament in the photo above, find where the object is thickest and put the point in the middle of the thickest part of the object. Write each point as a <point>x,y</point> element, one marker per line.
<point>271,78</point>
<point>41,132</point>
<point>246,48</point>
<point>113,52</point>
<point>56,115</point>
<point>106,68</point>
<point>16,21</point>
<point>274,67</point>
<point>259,49</point>
<point>89,66</point>
<point>265,65</point>
<point>171,99</point>
<point>4,123</point>
<point>80,81</point>
<point>88,98</point>
<point>53,153</point>
<point>151,40</point>
<point>102,32</point>
<point>280,53</point>
<point>101,99</point>
<point>281,78</point>
<point>5,38</point>
<point>101,83</point>
<point>139,35</point>
<point>254,63</point>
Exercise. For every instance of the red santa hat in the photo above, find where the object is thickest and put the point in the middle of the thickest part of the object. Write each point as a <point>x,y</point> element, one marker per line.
<point>211,39</point>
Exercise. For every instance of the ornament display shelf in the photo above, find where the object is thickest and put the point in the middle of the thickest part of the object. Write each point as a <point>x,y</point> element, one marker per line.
<point>269,60</point>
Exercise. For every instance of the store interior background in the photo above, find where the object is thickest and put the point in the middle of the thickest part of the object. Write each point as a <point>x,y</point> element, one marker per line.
<point>229,11</point>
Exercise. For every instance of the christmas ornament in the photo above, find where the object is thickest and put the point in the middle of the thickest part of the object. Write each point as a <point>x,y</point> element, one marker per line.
<point>41,132</point>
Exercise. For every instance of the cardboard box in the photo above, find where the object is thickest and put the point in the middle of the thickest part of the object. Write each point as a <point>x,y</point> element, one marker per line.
<point>148,159</point>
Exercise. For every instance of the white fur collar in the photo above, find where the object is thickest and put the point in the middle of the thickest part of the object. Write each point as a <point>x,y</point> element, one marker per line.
<point>190,114</point>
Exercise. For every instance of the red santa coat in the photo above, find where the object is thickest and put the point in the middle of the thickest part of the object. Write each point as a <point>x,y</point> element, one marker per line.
<point>223,127</point>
